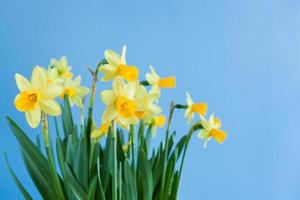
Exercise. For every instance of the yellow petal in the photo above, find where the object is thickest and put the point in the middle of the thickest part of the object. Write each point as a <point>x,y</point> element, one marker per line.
<point>155,91</point>
<point>77,81</point>
<point>22,82</point>
<point>50,107</point>
<point>119,87</point>
<point>112,57</point>
<point>154,109</point>
<point>130,89</point>
<point>51,91</point>
<point>167,82</point>
<point>78,101</point>
<point>38,78</point>
<point>152,77</point>
<point>108,115</point>
<point>108,97</point>
<point>189,99</point>
<point>107,68</point>
<point>33,117</point>
<point>189,115</point>
<point>129,73</point>
<point>200,108</point>
<point>219,135</point>
<point>217,122</point>
<point>123,55</point>
<point>82,91</point>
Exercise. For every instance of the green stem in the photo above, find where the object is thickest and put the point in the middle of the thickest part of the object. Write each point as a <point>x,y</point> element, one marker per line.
<point>195,127</point>
<point>55,179</point>
<point>172,108</point>
<point>82,117</point>
<point>115,179</point>
<point>132,143</point>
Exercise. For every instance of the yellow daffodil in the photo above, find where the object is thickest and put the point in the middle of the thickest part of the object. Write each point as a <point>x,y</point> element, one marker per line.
<point>158,121</point>
<point>62,68</point>
<point>146,108</point>
<point>117,67</point>
<point>192,108</point>
<point>157,82</point>
<point>75,91</point>
<point>98,133</point>
<point>120,102</point>
<point>52,76</point>
<point>36,96</point>
<point>211,129</point>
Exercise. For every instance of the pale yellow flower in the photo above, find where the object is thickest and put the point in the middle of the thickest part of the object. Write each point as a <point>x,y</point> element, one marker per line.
<point>120,103</point>
<point>146,107</point>
<point>211,129</point>
<point>75,91</point>
<point>117,67</point>
<point>36,96</point>
<point>157,82</point>
<point>62,67</point>
<point>200,108</point>
<point>98,133</point>
<point>158,121</point>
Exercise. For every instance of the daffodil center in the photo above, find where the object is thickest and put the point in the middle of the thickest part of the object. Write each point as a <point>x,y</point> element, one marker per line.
<point>70,91</point>
<point>68,75</point>
<point>139,114</point>
<point>218,135</point>
<point>125,107</point>
<point>26,101</point>
<point>159,121</point>
<point>200,108</point>
<point>130,73</point>
<point>167,82</point>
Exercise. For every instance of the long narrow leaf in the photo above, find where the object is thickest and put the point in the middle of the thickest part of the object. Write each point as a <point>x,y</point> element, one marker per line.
<point>22,189</point>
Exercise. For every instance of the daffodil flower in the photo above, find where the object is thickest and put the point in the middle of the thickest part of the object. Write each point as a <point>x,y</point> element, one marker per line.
<point>120,102</point>
<point>158,121</point>
<point>117,67</point>
<point>146,107</point>
<point>98,133</point>
<point>37,96</point>
<point>63,70</point>
<point>75,91</point>
<point>211,129</point>
<point>192,108</point>
<point>157,82</point>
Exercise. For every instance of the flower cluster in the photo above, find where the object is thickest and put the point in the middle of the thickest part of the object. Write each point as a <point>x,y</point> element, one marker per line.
<point>127,102</point>
<point>39,94</point>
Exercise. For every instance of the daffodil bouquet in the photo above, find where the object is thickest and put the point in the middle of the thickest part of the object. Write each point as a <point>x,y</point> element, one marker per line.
<point>114,160</point>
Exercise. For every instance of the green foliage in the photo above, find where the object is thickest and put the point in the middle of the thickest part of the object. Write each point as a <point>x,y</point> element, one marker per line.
<point>86,169</point>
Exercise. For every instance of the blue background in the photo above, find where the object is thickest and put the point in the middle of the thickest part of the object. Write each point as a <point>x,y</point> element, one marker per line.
<point>241,57</point>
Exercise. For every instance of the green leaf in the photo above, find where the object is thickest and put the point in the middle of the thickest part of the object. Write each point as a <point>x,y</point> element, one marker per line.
<point>40,181</point>
<point>75,186</point>
<point>22,189</point>
<point>92,188</point>
<point>130,184</point>
<point>67,118</point>
<point>145,176</point>
<point>107,160</point>
<point>102,195</point>
<point>80,165</point>
<point>29,148</point>
<point>38,142</point>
